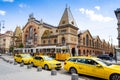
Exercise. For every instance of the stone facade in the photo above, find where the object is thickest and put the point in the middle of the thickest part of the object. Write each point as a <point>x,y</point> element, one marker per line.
<point>38,33</point>
<point>6,41</point>
<point>90,45</point>
<point>117,13</point>
<point>17,37</point>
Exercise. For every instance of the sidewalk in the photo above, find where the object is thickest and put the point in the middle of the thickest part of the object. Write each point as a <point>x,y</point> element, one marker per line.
<point>6,57</point>
<point>32,74</point>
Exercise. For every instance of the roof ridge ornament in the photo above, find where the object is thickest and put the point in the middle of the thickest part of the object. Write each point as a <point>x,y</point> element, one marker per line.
<point>31,15</point>
<point>41,21</point>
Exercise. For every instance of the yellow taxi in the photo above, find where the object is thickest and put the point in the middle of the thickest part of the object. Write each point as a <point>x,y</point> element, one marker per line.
<point>93,67</point>
<point>46,62</point>
<point>23,58</point>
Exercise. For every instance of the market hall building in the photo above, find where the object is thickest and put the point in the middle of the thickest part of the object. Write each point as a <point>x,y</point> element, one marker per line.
<point>38,33</point>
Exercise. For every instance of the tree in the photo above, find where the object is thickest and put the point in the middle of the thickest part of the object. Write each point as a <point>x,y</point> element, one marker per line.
<point>11,49</point>
<point>21,45</point>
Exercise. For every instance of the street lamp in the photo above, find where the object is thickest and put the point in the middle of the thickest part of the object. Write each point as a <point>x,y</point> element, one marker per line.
<point>2,25</point>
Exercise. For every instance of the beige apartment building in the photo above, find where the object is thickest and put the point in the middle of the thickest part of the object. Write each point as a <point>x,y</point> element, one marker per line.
<point>6,41</point>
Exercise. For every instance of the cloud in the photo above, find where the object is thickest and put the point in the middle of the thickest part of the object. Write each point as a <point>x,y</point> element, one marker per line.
<point>8,0</point>
<point>95,17</point>
<point>97,7</point>
<point>2,12</point>
<point>22,5</point>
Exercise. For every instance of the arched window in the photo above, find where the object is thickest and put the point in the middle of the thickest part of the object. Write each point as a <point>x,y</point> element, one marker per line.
<point>83,52</point>
<point>43,41</point>
<point>49,42</point>
<point>97,44</point>
<point>55,41</point>
<point>31,32</point>
<point>35,37</point>
<point>26,38</point>
<point>87,40</point>
<point>84,41</point>
<point>90,43</point>
<point>63,41</point>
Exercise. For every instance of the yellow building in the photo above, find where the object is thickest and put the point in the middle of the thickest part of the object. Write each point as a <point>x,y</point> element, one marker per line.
<point>38,33</point>
<point>17,37</point>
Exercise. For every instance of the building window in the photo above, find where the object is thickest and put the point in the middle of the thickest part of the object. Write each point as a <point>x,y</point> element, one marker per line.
<point>55,41</point>
<point>87,40</point>
<point>31,32</point>
<point>90,43</point>
<point>63,22</point>
<point>34,29</point>
<point>63,31</point>
<point>56,30</point>
<point>84,41</point>
<point>43,41</point>
<point>49,42</point>
<point>26,38</point>
<point>51,32</point>
<point>63,41</point>
<point>4,40</point>
<point>97,44</point>
<point>35,37</point>
<point>72,22</point>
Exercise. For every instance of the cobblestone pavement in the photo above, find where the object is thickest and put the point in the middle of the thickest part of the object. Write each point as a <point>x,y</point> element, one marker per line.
<point>15,72</point>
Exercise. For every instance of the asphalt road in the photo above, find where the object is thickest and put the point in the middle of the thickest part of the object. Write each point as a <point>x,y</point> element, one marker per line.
<point>15,72</point>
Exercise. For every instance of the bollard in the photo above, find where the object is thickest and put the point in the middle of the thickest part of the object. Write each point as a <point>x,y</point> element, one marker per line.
<point>21,64</point>
<point>29,66</point>
<point>53,72</point>
<point>10,62</point>
<point>39,69</point>
<point>74,76</point>
<point>15,63</point>
<point>7,61</point>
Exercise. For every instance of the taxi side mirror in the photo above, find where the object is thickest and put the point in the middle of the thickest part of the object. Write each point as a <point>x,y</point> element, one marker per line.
<point>42,60</point>
<point>99,66</point>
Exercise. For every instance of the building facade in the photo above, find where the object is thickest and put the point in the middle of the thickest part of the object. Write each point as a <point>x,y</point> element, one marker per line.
<point>38,33</point>
<point>92,45</point>
<point>17,37</point>
<point>117,13</point>
<point>6,41</point>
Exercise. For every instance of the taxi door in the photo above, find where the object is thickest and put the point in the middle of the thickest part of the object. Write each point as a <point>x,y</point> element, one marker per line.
<point>80,66</point>
<point>93,70</point>
<point>41,62</point>
<point>19,58</point>
<point>36,61</point>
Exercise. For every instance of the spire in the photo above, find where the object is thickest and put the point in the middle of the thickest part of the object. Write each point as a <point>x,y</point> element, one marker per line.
<point>67,18</point>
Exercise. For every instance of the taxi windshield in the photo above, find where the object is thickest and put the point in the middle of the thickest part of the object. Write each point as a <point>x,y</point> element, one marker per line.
<point>48,58</point>
<point>103,62</point>
<point>26,56</point>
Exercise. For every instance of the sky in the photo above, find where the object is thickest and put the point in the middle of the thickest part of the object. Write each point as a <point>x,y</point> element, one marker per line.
<point>95,15</point>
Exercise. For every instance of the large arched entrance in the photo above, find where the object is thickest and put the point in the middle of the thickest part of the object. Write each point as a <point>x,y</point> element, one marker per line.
<point>73,52</point>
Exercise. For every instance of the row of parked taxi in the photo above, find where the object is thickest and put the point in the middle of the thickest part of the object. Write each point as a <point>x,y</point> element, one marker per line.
<point>90,66</point>
<point>45,62</point>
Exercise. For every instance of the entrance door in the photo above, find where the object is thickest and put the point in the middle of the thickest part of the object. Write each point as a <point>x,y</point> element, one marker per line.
<point>73,51</point>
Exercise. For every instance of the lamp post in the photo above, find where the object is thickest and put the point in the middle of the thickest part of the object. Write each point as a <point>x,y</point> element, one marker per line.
<point>2,25</point>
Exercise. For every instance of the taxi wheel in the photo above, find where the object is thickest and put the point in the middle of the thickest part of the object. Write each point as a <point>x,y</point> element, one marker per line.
<point>73,70</point>
<point>46,67</point>
<point>115,77</point>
